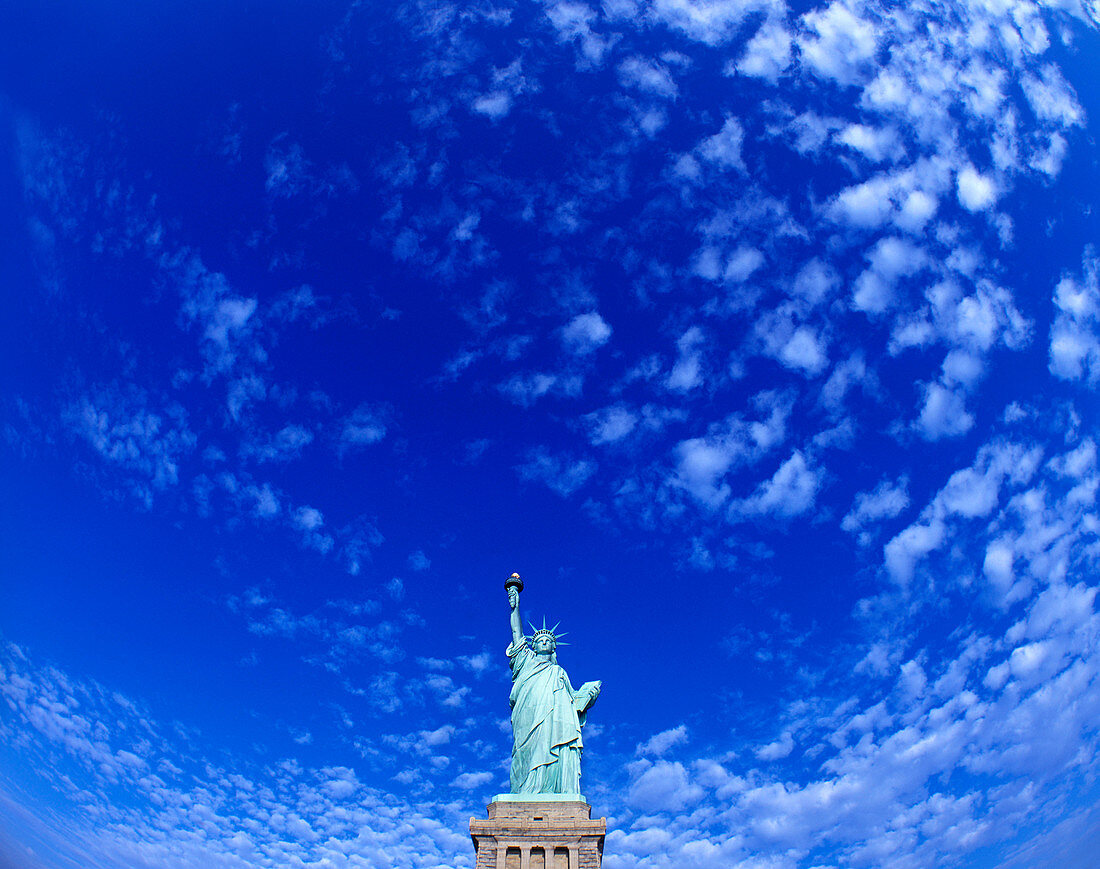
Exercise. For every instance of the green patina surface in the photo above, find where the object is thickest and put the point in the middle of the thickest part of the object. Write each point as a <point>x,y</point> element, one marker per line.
<point>547,713</point>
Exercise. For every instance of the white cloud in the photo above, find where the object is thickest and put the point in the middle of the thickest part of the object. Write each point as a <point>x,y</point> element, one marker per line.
<point>686,373</point>
<point>739,267</point>
<point>886,501</point>
<point>585,334</point>
<point>266,501</point>
<point>494,105</point>
<point>573,21</point>
<point>768,53</point>
<point>797,347</point>
<point>894,257</point>
<point>228,321</point>
<point>286,444</point>
<point>446,692</point>
<point>288,171</point>
<point>310,521</point>
<point>708,21</point>
<point>742,263</point>
<point>365,425</point>
<point>805,351</point>
<point>998,565</point>
<point>970,493</point>
<point>663,786</point>
<point>647,76</point>
<point>907,197</point>
<point>144,444</point>
<point>846,376</point>
<point>1052,98</point>
<point>979,320</point>
<point>723,149</point>
<point>864,205</point>
<point>777,750</point>
<point>976,191</point>
<point>874,143</point>
<point>944,413</point>
<point>170,805</point>
<point>526,389</point>
<point>708,263</point>
<point>562,474</point>
<point>478,663</point>
<point>610,424</point>
<point>790,492</point>
<point>703,462</point>
<point>890,259</point>
<point>841,44</point>
<point>815,281</point>
<point>661,743</point>
<point>810,132</point>
<point>873,293</point>
<point>498,98</point>
<point>915,210</point>
<point>469,781</point>
<point>229,316</point>
<point>1075,332</point>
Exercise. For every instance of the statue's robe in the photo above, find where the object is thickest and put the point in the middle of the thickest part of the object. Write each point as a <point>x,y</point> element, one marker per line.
<point>546,726</point>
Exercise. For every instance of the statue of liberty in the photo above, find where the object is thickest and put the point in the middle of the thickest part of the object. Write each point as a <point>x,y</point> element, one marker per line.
<point>547,714</point>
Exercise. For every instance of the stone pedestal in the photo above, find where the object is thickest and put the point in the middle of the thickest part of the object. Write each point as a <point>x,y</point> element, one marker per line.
<point>538,835</point>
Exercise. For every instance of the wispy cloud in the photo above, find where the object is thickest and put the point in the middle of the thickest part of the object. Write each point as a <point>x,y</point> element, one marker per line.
<point>149,799</point>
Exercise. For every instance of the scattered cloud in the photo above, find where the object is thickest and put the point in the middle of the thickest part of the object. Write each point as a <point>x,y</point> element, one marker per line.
<point>838,44</point>
<point>585,334</point>
<point>661,743</point>
<point>790,492</point>
<point>611,424</point>
<point>1075,332</point>
<point>663,786</point>
<point>562,474</point>
<point>723,149</point>
<point>976,191</point>
<point>648,77</point>
<point>708,21</point>
<point>168,804</point>
<point>128,432</point>
<point>885,501</point>
<point>768,53</point>
<point>365,425</point>
<point>943,414</point>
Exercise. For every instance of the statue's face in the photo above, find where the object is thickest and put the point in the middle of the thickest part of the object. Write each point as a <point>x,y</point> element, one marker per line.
<point>544,645</point>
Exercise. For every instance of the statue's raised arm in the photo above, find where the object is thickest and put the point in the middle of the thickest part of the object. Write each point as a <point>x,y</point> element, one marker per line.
<point>547,714</point>
<point>515,585</point>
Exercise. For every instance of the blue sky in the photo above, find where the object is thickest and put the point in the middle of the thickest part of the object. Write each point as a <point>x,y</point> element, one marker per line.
<point>762,339</point>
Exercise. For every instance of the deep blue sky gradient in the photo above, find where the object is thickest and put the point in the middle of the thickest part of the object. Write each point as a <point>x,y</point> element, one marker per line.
<point>234,235</point>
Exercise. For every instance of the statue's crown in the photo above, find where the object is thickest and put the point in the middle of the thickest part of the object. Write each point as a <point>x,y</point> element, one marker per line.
<point>548,632</point>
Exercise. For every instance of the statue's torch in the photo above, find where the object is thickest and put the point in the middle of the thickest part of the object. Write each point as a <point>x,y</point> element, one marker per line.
<point>513,585</point>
